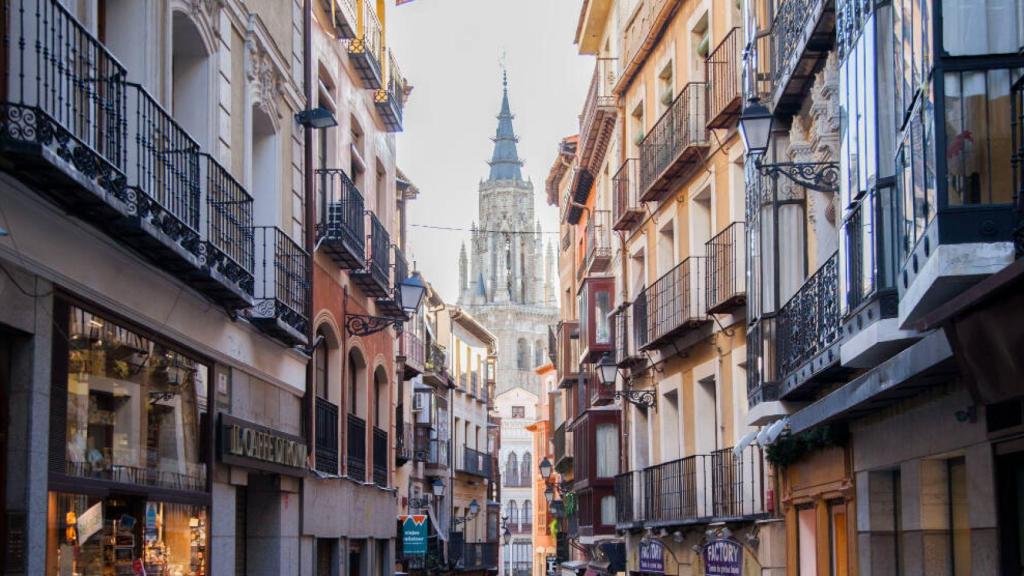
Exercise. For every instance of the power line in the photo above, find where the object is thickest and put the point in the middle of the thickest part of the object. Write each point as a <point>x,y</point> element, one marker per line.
<point>457,229</point>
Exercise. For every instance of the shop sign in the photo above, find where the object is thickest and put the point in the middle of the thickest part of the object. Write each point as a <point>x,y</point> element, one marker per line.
<point>90,522</point>
<point>722,557</point>
<point>414,534</point>
<point>652,556</point>
<point>246,444</point>
<point>552,565</point>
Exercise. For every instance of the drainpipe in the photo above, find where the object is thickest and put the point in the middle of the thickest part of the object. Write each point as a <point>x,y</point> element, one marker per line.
<point>310,239</point>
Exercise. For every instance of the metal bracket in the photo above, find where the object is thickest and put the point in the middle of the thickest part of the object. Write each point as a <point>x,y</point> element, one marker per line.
<point>819,176</point>
<point>641,398</point>
<point>365,325</point>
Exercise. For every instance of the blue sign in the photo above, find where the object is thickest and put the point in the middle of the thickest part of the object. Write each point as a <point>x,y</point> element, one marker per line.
<point>414,535</point>
<point>722,557</point>
<point>652,556</point>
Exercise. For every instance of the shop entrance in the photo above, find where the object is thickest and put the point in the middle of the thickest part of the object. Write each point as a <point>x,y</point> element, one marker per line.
<point>1010,471</point>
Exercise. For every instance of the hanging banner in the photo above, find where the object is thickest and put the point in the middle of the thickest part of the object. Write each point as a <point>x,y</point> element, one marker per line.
<point>414,534</point>
<point>652,556</point>
<point>90,522</point>
<point>722,557</point>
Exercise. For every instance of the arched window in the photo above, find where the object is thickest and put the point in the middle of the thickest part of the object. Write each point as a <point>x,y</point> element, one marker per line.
<point>356,384</point>
<point>380,398</point>
<point>538,353</point>
<point>513,512</point>
<point>511,469</point>
<point>524,470</point>
<point>523,354</point>
<point>527,514</point>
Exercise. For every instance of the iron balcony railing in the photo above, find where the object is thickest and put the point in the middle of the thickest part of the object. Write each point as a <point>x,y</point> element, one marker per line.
<point>436,360</point>
<point>724,68</point>
<point>627,211</point>
<point>341,230</point>
<point>380,457</point>
<point>414,350</point>
<point>808,323</point>
<point>727,268</point>
<point>672,144</point>
<point>479,556</point>
<point>229,233</point>
<point>326,436</point>
<point>344,14</point>
<point>598,118</point>
<point>715,487</point>
<point>281,291</point>
<point>870,247</point>
<point>404,443</point>
<point>790,36</point>
<point>378,259</point>
<point>474,462</point>
<point>673,303</point>
<point>163,168</point>
<point>762,373</point>
<point>366,49</point>
<point>432,452</point>
<point>355,434</point>
<point>65,91</point>
<point>630,496</point>
<point>599,241</point>
<point>390,99</point>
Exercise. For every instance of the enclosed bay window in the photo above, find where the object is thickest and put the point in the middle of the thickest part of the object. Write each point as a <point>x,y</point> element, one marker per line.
<point>607,450</point>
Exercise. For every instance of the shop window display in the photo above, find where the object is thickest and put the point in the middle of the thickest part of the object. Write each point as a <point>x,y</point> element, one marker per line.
<point>117,536</point>
<point>134,407</point>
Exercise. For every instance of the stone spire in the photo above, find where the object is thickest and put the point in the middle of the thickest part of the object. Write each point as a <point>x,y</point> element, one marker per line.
<point>463,274</point>
<point>549,275</point>
<point>505,162</point>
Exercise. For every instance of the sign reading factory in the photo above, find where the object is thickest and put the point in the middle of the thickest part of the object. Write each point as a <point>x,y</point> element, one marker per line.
<point>652,556</point>
<point>246,444</point>
<point>722,557</point>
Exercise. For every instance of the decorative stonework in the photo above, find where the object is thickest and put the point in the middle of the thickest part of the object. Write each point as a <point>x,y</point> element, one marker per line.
<point>264,80</point>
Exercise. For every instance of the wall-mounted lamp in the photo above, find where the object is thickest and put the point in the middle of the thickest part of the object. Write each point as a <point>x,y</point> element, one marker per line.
<point>317,118</point>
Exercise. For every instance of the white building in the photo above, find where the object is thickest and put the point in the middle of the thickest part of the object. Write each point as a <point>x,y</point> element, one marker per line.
<point>518,409</point>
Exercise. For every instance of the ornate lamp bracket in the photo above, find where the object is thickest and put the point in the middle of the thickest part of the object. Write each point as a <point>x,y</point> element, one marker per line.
<point>365,325</point>
<point>819,176</point>
<point>641,398</point>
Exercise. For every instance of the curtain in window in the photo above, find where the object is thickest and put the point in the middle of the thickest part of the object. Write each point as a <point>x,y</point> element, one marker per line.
<point>607,450</point>
<point>971,27</point>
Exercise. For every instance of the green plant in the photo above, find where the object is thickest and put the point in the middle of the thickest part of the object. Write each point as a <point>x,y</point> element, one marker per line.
<point>791,448</point>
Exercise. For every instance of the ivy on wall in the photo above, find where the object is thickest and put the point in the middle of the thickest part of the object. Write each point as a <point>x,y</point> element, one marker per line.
<point>792,447</point>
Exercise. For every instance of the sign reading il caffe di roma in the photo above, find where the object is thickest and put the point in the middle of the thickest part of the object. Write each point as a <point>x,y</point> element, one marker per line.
<point>246,444</point>
<point>722,557</point>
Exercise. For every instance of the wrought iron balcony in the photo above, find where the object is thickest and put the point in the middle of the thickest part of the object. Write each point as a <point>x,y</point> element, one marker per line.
<point>724,68</point>
<point>627,211</point>
<point>676,144</point>
<point>391,304</point>
<point>281,291</point>
<point>626,352</point>
<point>366,50</point>
<point>414,351</point>
<point>344,15</point>
<point>581,180</point>
<point>674,303</point>
<point>404,443</point>
<point>630,496</point>
<point>375,276</point>
<point>808,330</point>
<point>474,462</point>
<point>802,34</point>
<point>355,439</point>
<point>717,487</point>
<point>326,436</point>
<point>435,365</point>
<point>229,236</point>
<point>380,457</point>
<point>341,231</point>
<point>432,452</point>
<point>598,119</point>
<point>478,556</point>
<point>390,99</point>
<point>762,372</point>
<point>599,242</point>
<point>727,269</point>
<point>869,233</point>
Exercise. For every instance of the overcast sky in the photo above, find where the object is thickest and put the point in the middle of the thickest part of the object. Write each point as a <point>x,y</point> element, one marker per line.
<point>450,51</point>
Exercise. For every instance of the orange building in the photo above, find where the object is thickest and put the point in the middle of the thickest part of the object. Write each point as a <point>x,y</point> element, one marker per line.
<point>542,429</point>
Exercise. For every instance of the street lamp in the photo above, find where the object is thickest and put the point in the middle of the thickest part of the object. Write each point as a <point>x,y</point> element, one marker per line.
<point>410,293</point>
<point>506,536</point>
<point>607,370</point>
<point>437,486</point>
<point>756,126</point>
<point>474,508</point>
<point>549,494</point>
<point>545,468</point>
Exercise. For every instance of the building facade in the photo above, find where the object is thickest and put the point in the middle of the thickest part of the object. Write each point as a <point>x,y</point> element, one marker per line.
<point>517,409</point>
<point>179,385</point>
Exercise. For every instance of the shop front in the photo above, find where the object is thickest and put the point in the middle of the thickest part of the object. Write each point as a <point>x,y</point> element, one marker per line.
<point>128,482</point>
